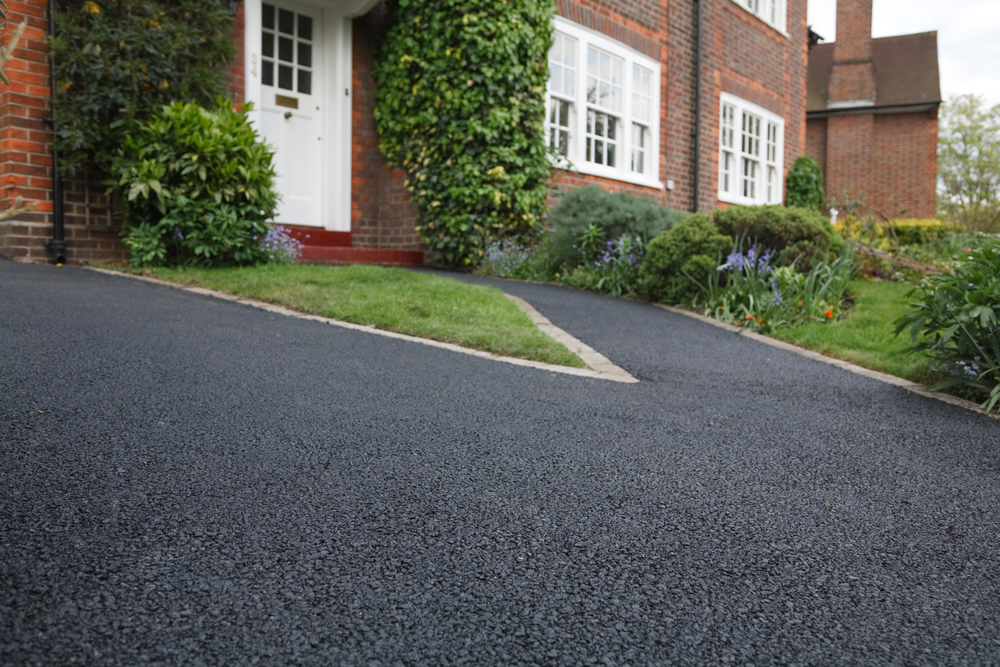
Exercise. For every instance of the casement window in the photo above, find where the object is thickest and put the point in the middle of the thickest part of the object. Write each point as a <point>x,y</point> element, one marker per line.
<point>602,107</point>
<point>771,12</point>
<point>751,147</point>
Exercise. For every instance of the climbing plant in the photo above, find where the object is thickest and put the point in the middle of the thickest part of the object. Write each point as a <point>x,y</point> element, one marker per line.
<point>460,106</point>
<point>119,61</point>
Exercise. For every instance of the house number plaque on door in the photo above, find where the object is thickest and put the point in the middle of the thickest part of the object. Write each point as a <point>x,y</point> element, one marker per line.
<point>285,101</point>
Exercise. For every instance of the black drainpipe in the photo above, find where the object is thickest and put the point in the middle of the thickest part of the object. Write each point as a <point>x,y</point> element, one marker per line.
<point>695,169</point>
<point>57,244</point>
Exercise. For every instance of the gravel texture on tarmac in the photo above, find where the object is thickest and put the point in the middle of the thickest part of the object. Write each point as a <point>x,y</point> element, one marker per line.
<point>185,480</point>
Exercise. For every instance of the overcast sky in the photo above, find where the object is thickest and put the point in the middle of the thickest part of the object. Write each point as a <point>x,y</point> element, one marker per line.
<point>968,37</point>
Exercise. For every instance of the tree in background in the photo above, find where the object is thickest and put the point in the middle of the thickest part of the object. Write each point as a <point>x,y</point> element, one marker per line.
<point>969,163</point>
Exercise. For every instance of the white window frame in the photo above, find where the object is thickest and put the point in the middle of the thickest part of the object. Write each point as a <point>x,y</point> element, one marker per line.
<point>577,158</point>
<point>748,150</point>
<point>772,12</point>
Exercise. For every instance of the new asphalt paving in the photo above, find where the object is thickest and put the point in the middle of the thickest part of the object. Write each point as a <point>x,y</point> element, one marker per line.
<point>185,480</point>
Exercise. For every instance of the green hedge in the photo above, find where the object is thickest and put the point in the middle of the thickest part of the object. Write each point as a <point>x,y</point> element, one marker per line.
<point>803,232</point>
<point>460,105</point>
<point>613,213</point>
<point>804,186</point>
<point>689,250</point>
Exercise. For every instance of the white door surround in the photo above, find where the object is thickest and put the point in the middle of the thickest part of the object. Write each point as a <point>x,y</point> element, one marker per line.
<point>332,34</point>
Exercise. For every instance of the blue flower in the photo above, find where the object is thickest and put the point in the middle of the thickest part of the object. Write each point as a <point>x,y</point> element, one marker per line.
<point>735,261</point>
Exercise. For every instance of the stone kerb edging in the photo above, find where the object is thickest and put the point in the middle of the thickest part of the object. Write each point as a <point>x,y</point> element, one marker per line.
<point>600,367</point>
<point>839,363</point>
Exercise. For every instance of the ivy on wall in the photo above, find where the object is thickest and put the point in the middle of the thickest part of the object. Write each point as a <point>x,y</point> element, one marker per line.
<point>460,106</point>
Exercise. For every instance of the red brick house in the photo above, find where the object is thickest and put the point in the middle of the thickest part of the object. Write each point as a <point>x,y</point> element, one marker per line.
<point>871,116</point>
<point>695,103</point>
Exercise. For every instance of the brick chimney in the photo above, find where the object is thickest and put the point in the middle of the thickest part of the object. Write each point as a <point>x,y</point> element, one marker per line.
<point>852,78</point>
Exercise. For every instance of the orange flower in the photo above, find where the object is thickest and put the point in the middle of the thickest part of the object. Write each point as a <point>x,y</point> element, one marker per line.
<point>799,302</point>
<point>760,321</point>
<point>748,316</point>
<point>829,314</point>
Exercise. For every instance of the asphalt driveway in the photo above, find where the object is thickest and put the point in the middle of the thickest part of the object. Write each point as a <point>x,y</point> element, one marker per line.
<point>185,480</point>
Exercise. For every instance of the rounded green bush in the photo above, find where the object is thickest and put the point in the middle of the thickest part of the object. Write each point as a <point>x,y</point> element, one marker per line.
<point>197,187</point>
<point>613,213</point>
<point>460,105</point>
<point>803,232</point>
<point>804,186</point>
<point>690,250</point>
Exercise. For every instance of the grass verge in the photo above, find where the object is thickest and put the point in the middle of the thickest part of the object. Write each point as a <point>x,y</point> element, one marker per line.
<point>441,309</point>
<point>864,335</point>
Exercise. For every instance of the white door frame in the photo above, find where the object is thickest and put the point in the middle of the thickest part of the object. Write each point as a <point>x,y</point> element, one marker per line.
<point>335,198</point>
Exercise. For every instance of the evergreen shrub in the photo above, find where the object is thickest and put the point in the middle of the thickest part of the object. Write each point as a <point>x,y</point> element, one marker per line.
<point>614,214</point>
<point>118,61</point>
<point>197,186</point>
<point>807,236</point>
<point>804,185</point>
<point>688,252</point>
<point>460,105</point>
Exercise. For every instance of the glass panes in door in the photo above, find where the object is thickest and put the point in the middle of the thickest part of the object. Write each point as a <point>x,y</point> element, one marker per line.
<point>286,49</point>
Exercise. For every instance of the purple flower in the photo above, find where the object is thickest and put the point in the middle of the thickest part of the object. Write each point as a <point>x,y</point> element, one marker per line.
<point>735,261</point>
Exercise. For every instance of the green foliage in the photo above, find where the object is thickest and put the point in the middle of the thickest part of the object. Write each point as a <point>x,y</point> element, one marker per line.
<point>958,315</point>
<point>613,213</point>
<point>460,106</point>
<point>119,61</point>
<point>808,236</point>
<point>527,260</point>
<point>754,291</point>
<point>969,163</point>
<point>805,184</point>
<point>198,187</point>
<point>678,257</point>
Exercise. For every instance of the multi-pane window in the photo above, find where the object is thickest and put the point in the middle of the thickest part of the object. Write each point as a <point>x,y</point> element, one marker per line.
<point>286,49</point>
<point>642,116</point>
<point>750,153</point>
<point>771,12</point>
<point>727,150</point>
<point>562,94</point>
<point>602,106</point>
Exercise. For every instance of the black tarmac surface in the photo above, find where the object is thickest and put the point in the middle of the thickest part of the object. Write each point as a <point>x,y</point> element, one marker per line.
<point>185,480</point>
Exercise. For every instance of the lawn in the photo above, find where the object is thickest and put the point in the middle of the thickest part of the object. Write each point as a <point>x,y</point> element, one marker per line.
<point>416,304</point>
<point>864,334</point>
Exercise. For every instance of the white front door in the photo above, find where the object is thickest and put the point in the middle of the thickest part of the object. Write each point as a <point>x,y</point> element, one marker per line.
<point>291,77</point>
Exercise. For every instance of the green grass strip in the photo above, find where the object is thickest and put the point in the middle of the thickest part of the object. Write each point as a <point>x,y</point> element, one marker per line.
<point>864,335</point>
<point>416,304</point>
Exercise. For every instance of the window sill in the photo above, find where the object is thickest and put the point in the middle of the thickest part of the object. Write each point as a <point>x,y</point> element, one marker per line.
<point>607,172</point>
<point>742,201</point>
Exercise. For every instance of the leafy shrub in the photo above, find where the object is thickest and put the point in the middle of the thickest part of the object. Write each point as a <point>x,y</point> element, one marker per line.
<point>198,187</point>
<point>754,290</point>
<point>805,234</point>
<point>616,269</point>
<point>613,213</point>
<point>957,314</point>
<point>118,61</point>
<point>681,257</point>
<point>460,106</point>
<point>805,184</point>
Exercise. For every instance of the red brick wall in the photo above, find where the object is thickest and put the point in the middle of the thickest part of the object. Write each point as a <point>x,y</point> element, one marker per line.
<point>816,140</point>
<point>849,141</point>
<point>904,165</point>
<point>382,215</point>
<point>743,56</point>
